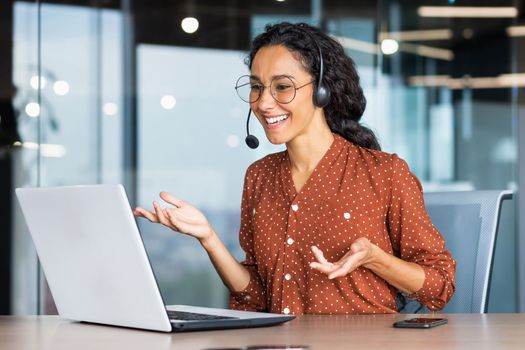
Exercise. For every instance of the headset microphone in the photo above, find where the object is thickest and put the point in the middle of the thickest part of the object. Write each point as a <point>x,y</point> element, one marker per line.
<point>251,140</point>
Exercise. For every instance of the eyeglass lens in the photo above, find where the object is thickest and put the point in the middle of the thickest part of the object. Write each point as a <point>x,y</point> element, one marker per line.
<point>250,90</point>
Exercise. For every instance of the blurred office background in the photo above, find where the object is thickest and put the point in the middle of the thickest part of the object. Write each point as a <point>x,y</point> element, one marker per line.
<point>142,93</point>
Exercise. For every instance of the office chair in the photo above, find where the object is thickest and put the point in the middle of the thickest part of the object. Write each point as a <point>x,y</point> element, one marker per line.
<point>469,222</point>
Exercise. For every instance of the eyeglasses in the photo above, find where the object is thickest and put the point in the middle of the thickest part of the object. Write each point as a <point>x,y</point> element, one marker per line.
<point>282,89</point>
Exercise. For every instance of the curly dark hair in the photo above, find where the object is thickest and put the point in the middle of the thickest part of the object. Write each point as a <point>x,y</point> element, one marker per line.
<point>347,102</point>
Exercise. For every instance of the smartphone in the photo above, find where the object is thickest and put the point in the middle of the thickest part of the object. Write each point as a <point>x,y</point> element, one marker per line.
<point>420,322</point>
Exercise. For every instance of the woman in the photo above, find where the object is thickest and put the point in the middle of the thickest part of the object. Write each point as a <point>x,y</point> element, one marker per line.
<point>332,224</point>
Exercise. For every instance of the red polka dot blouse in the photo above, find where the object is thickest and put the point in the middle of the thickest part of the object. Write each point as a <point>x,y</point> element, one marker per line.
<point>353,192</point>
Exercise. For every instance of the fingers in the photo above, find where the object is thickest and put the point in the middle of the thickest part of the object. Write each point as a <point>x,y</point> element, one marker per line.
<point>179,216</point>
<point>168,198</point>
<point>352,260</point>
<point>321,264</point>
<point>161,217</point>
<point>344,266</point>
<point>357,246</point>
<point>319,255</point>
<point>324,268</point>
<point>175,223</point>
<point>145,214</point>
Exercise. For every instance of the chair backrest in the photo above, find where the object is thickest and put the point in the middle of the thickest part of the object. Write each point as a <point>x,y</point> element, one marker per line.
<point>469,223</point>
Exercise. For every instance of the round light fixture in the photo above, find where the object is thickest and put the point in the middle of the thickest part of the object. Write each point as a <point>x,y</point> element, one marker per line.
<point>110,108</point>
<point>61,87</point>
<point>32,109</point>
<point>168,102</point>
<point>189,25</point>
<point>34,82</point>
<point>389,46</point>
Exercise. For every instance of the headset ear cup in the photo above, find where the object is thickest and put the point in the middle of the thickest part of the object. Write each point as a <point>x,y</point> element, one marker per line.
<point>321,96</point>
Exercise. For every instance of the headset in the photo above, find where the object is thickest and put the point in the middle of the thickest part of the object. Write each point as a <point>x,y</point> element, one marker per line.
<point>321,96</point>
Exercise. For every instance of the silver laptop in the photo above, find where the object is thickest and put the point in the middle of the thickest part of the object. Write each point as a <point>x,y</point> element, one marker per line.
<point>97,267</point>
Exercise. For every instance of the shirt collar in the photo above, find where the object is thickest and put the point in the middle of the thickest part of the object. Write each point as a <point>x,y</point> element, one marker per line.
<point>318,175</point>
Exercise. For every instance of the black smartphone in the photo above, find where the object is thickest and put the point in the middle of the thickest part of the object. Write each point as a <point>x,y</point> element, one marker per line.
<point>420,322</point>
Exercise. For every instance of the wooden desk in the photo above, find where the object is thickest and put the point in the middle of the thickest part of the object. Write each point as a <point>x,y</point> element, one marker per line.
<point>464,331</point>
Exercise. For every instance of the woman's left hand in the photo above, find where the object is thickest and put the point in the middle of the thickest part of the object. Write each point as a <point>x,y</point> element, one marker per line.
<point>362,252</point>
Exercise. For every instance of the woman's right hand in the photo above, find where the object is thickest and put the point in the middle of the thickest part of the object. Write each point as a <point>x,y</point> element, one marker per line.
<point>182,217</point>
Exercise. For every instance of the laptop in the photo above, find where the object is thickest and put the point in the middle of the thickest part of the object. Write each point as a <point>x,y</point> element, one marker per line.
<point>98,270</point>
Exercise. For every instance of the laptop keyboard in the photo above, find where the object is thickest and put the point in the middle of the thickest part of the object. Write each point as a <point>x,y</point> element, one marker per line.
<point>191,316</point>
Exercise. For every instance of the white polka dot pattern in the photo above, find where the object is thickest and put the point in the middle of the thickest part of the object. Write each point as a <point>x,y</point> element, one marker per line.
<point>353,192</point>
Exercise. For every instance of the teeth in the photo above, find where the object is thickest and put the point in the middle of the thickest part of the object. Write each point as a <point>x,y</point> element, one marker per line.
<point>276,119</point>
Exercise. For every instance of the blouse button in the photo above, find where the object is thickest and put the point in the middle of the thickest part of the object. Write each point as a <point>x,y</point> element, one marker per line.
<point>247,298</point>
<point>295,207</point>
<point>346,216</point>
<point>290,241</point>
<point>287,277</point>
<point>286,310</point>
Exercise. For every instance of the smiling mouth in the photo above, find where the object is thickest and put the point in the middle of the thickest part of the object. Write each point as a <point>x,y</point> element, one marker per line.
<point>275,120</point>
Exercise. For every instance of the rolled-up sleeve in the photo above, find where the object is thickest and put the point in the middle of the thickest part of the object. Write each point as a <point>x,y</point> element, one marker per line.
<point>253,297</point>
<point>415,239</point>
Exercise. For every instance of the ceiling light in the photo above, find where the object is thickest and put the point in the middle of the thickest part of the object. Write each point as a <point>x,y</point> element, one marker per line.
<point>110,108</point>
<point>389,46</point>
<point>168,102</point>
<point>467,82</point>
<point>372,48</point>
<point>61,87</point>
<point>55,151</point>
<point>190,24</point>
<point>34,82</point>
<point>47,150</point>
<point>428,51</point>
<point>418,35</point>
<point>429,80</point>
<point>32,109</point>
<point>516,31</point>
<point>358,45</point>
<point>467,11</point>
